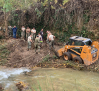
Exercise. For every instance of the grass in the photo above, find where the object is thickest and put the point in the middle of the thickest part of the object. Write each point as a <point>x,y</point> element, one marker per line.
<point>50,86</point>
<point>54,62</point>
<point>4,52</point>
<point>46,58</point>
<point>34,88</point>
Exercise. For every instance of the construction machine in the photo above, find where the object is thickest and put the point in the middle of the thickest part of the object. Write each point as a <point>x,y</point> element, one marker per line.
<point>81,50</point>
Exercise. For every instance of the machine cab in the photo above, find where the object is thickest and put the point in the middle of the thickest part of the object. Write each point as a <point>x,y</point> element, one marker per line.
<point>79,41</point>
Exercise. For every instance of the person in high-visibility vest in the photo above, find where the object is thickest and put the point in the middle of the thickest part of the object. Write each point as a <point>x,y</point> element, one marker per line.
<point>37,44</point>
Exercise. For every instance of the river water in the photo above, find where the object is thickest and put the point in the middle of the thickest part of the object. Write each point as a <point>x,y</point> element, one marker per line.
<point>50,79</point>
<point>7,75</point>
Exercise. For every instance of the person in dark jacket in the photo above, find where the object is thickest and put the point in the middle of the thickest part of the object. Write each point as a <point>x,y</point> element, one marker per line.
<point>41,33</point>
<point>14,29</point>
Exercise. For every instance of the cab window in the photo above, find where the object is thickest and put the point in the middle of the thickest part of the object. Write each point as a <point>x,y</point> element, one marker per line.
<point>78,43</point>
<point>78,50</point>
<point>88,43</point>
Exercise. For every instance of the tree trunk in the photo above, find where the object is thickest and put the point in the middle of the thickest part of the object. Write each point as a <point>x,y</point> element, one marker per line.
<point>6,28</point>
<point>6,16</point>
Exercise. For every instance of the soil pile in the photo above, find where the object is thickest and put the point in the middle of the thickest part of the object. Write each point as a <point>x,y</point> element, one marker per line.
<point>20,57</point>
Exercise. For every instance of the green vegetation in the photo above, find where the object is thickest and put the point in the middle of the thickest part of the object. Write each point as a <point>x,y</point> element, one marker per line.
<point>4,52</point>
<point>45,58</point>
<point>65,16</point>
<point>1,37</point>
<point>9,6</point>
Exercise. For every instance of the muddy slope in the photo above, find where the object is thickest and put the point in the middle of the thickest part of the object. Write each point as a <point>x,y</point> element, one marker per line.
<point>20,57</point>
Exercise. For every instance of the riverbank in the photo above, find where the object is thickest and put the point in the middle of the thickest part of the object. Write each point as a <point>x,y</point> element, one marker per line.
<point>14,54</point>
<point>57,74</point>
<point>18,56</point>
<point>54,62</point>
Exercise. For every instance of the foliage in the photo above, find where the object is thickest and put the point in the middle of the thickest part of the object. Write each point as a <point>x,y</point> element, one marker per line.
<point>65,1</point>
<point>46,58</point>
<point>1,37</point>
<point>7,6</point>
<point>4,52</point>
<point>86,18</point>
<point>64,15</point>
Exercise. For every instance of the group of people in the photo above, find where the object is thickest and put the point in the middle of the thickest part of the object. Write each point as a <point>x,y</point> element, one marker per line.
<point>37,40</point>
<point>32,38</point>
<point>29,32</point>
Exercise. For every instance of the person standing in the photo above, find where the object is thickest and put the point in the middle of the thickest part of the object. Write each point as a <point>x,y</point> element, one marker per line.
<point>51,40</point>
<point>48,33</point>
<point>27,32</point>
<point>14,29</point>
<point>33,33</point>
<point>41,33</point>
<point>29,42</point>
<point>37,44</point>
<point>10,31</point>
<point>23,32</point>
<point>40,37</point>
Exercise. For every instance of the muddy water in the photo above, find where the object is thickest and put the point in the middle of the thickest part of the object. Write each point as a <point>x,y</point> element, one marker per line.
<point>47,79</point>
<point>8,75</point>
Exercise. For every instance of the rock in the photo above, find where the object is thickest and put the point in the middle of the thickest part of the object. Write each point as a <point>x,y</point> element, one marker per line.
<point>22,86</point>
<point>1,88</point>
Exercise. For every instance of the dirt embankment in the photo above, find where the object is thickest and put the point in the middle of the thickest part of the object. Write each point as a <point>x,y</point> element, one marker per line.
<point>20,57</point>
<point>53,62</point>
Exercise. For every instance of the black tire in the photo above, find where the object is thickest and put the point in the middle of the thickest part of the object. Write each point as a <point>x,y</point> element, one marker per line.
<point>78,60</point>
<point>67,56</point>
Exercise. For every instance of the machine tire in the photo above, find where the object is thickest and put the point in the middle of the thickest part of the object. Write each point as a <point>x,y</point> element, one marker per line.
<point>67,56</point>
<point>78,60</point>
